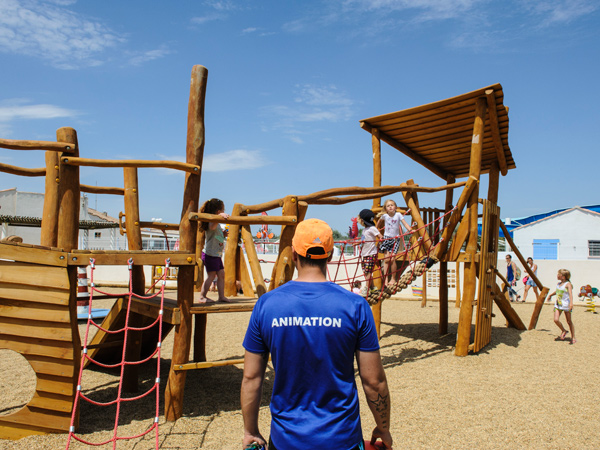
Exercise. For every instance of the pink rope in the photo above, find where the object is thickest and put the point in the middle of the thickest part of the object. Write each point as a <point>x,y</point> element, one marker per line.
<point>126,329</point>
<point>343,276</point>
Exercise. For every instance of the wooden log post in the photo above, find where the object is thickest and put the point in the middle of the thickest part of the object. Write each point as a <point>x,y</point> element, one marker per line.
<point>67,238</point>
<point>134,240</point>
<point>231,251</point>
<point>49,229</point>
<point>245,279</point>
<point>68,218</point>
<point>412,203</point>
<point>455,217</point>
<point>200,320</point>
<point>538,307</point>
<point>376,144</point>
<point>494,182</point>
<point>257,275</point>
<point>511,316</point>
<point>424,290</point>
<point>443,288</point>
<point>458,293</point>
<point>466,310</point>
<point>187,243</point>
<point>284,266</point>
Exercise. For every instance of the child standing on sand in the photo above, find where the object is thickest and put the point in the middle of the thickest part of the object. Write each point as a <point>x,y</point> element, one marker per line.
<point>393,241</point>
<point>213,250</point>
<point>369,247</point>
<point>564,303</point>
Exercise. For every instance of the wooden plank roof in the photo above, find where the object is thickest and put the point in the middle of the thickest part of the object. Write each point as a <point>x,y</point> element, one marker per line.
<point>438,135</point>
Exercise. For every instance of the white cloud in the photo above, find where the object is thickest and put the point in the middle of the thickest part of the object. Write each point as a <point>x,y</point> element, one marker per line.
<point>47,30</point>
<point>207,18</point>
<point>140,58</point>
<point>17,109</point>
<point>225,161</point>
<point>561,11</point>
<point>311,103</point>
<point>233,160</point>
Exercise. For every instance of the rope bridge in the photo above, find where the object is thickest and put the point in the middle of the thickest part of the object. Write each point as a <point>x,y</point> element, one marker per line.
<point>123,363</point>
<point>345,271</point>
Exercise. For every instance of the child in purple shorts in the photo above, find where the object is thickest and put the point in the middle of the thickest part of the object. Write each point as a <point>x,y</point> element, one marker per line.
<point>213,250</point>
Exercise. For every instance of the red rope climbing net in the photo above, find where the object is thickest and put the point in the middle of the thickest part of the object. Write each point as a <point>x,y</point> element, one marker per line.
<point>79,396</point>
<point>348,268</point>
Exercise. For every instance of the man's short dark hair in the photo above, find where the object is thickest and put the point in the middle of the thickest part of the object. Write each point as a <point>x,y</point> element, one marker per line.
<point>320,263</point>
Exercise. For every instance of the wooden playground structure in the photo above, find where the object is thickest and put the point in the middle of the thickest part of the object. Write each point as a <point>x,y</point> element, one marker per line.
<point>461,137</point>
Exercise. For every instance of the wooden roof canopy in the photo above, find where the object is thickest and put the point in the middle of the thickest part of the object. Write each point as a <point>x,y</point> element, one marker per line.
<point>438,135</point>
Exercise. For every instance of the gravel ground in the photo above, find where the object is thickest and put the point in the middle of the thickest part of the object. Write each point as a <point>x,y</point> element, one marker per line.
<point>524,390</point>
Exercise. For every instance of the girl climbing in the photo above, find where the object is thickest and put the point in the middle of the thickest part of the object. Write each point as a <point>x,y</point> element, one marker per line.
<point>213,250</point>
<point>393,241</point>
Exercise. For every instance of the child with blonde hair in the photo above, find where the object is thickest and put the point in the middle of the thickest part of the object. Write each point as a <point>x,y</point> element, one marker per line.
<point>393,241</point>
<point>564,303</point>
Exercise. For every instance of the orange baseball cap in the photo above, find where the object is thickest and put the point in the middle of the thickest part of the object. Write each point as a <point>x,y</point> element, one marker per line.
<point>313,239</point>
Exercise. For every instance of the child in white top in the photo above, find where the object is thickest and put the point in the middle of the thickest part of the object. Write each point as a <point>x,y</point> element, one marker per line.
<point>393,241</point>
<point>564,303</point>
<point>369,247</point>
<point>213,249</point>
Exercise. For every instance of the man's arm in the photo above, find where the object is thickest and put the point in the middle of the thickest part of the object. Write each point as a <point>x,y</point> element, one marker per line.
<point>376,390</point>
<point>255,365</point>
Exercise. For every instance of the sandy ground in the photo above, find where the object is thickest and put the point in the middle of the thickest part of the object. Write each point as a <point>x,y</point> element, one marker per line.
<point>524,390</point>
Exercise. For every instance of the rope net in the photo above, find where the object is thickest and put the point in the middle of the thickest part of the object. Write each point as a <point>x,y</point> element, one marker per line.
<point>120,399</point>
<point>412,251</point>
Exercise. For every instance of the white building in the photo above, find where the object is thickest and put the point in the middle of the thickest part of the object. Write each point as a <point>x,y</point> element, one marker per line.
<point>21,213</point>
<point>572,234</point>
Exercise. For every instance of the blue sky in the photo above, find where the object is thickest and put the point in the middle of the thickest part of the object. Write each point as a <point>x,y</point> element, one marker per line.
<point>288,84</point>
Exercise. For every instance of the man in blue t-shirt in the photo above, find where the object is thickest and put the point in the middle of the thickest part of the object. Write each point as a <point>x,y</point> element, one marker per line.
<point>313,329</point>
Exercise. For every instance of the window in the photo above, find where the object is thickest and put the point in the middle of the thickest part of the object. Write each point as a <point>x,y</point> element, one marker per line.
<point>545,248</point>
<point>97,235</point>
<point>594,249</point>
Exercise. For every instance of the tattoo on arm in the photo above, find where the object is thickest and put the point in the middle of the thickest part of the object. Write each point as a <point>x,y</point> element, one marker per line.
<point>382,407</point>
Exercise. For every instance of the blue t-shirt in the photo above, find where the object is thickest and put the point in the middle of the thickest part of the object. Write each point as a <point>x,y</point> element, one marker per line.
<point>312,331</point>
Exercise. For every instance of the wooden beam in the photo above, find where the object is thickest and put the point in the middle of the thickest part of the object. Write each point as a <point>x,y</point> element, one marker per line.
<point>494,183</point>
<point>68,200</point>
<point>21,171</point>
<point>466,308</point>
<point>102,190</point>
<point>376,144</point>
<point>407,151</point>
<point>455,217</point>
<point>257,275</point>
<point>120,258</point>
<point>50,211</point>
<point>495,129</point>
<point>187,241</point>
<point>507,310</point>
<point>138,163</point>
<point>244,220</point>
<point>64,147</point>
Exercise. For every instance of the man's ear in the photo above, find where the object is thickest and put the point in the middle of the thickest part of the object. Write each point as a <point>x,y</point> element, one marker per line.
<point>330,257</point>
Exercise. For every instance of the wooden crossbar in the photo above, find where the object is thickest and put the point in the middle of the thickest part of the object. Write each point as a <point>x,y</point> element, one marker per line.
<point>76,161</point>
<point>37,145</point>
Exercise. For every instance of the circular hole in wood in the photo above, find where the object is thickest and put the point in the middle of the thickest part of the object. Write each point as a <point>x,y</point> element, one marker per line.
<point>17,383</point>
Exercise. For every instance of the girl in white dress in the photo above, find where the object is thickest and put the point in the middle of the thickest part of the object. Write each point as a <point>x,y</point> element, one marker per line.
<point>393,241</point>
<point>564,303</point>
